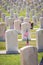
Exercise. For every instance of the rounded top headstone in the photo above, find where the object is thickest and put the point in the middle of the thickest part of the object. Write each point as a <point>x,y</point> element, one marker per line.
<point>41,22</point>
<point>21,18</point>
<point>30,49</point>
<point>26,19</point>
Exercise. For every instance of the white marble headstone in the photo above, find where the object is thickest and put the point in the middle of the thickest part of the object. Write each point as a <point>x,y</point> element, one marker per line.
<point>21,19</point>
<point>42,13</point>
<point>39,36</point>
<point>26,19</point>
<point>6,20</point>
<point>25,30</point>
<point>11,12</point>
<point>11,41</point>
<point>33,12</point>
<point>8,9</point>
<point>2,31</point>
<point>15,16</point>
<point>3,17</point>
<point>29,55</point>
<point>41,22</point>
<point>17,25</point>
<point>11,23</point>
<point>34,18</point>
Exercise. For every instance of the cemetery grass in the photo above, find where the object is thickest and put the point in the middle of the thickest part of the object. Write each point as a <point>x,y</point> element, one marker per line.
<point>33,35</point>
<point>14,59</point>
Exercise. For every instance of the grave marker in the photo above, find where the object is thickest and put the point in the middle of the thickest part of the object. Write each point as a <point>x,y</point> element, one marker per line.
<point>3,17</point>
<point>17,26</point>
<point>40,36</point>
<point>11,41</point>
<point>34,18</point>
<point>29,55</point>
<point>2,31</point>
<point>25,30</point>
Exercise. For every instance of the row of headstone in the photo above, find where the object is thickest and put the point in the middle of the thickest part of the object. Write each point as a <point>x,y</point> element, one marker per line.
<point>35,8</point>
<point>2,31</point>
<point>24,24</point>
<point>30,7</point>
<point>21,25</point>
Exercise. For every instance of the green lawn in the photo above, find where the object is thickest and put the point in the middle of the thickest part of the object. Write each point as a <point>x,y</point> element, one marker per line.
<point>19,36</point>
<point>13,59</point>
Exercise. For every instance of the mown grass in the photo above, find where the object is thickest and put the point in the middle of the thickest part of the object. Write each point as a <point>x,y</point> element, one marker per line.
<point>10,59</point>
<point>22,13</point>
<point>19,36</point>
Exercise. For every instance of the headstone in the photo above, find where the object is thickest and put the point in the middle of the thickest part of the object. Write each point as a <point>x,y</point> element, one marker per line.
<point>2,31</point>
<point>3,17</point>
<point>1,2</point>
<point>8,9</point>
<point>11,41</point>
<point>26,19</point>
<point>14,7</point>
<point>33,12</point>
<point>21,19</point>
<point>42,13</point>
<point>11,23</point>
<point>39,36</point>
<point>27,14</point>
<point>18,10</point>
<point>35,4</point>
<point>29,55</point>
<point>25,30</point>
<point>31,6</point>
<point>34,18</point>
<point>42,5</point>
<point>38,8</point>
<point>6,20</point>
<point>24,4</point>
<point>27,11</point>
<point>41,22</point>
<point>15,16</point>
<point>0,13</point>
<point>5,6</point>
<point>11,12</point>
<point>17,26</point>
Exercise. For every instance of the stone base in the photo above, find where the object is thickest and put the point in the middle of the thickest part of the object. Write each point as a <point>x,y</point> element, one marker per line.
<point>1,40</point>
<point>12,52</point>
<point>9,52</point>
<point>40,50</point>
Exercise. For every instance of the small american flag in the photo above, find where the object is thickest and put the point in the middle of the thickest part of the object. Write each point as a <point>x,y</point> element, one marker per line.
<point>26,34</point>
